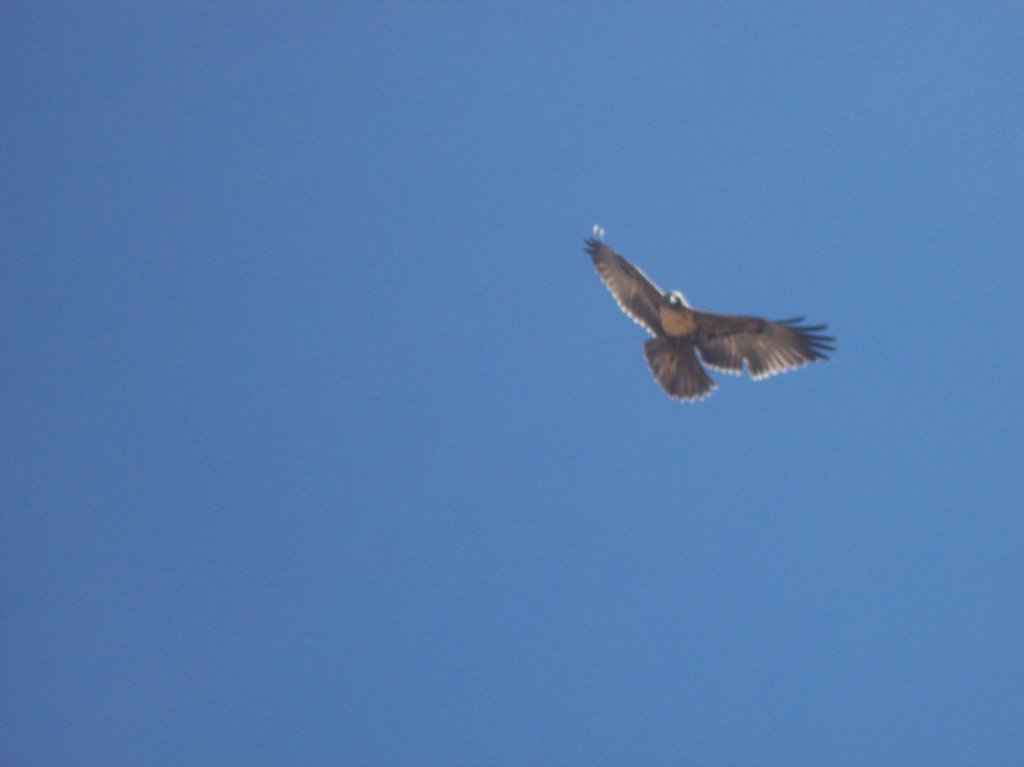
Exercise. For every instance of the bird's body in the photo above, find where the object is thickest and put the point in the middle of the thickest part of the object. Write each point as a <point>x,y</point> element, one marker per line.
<point>677,320</point>
<point>725,342</point>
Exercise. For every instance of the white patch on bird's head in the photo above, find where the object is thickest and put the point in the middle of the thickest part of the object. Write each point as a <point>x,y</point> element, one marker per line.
<point>675,298</point>
<point>599,232</point>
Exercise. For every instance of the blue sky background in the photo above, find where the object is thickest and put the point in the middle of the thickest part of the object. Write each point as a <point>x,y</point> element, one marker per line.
<point>322,442</point>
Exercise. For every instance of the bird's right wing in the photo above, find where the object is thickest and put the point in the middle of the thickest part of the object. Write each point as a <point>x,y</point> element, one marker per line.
<point>768,347</point>
<point>635,294</point>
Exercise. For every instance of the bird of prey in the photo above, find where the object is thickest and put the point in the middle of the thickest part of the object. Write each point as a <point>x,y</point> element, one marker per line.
<point>725,342</point>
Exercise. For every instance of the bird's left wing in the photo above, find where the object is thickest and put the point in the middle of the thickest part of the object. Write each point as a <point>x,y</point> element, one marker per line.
<point>768,347</point>
<point>635,294</point>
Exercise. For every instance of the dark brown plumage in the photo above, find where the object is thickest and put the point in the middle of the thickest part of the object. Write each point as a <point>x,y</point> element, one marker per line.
<point>725,342</point>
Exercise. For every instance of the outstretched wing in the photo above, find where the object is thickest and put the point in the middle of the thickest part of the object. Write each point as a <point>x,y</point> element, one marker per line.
<point>767,347</point>
<point>636,295</point>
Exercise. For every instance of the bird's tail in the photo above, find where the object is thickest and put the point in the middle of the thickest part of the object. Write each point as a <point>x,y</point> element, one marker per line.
<point>675,367</point>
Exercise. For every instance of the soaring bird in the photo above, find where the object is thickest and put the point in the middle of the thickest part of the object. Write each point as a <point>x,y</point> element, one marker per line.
<point>725,342</point>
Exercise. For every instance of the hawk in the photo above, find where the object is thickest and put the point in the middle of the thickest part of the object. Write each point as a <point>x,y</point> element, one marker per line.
<point>725,342</point>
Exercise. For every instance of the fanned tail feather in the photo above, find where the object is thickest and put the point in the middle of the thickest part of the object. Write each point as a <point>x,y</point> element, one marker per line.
<point>675,367</point>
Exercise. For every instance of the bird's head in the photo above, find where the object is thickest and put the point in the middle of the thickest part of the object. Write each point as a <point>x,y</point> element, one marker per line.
<point>676,299</point>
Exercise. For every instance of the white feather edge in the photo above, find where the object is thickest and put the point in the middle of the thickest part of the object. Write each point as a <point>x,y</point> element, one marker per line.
<point>623,308</point>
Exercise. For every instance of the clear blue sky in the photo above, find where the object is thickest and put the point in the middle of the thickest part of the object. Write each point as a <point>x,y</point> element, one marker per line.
<point>322,442</point>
